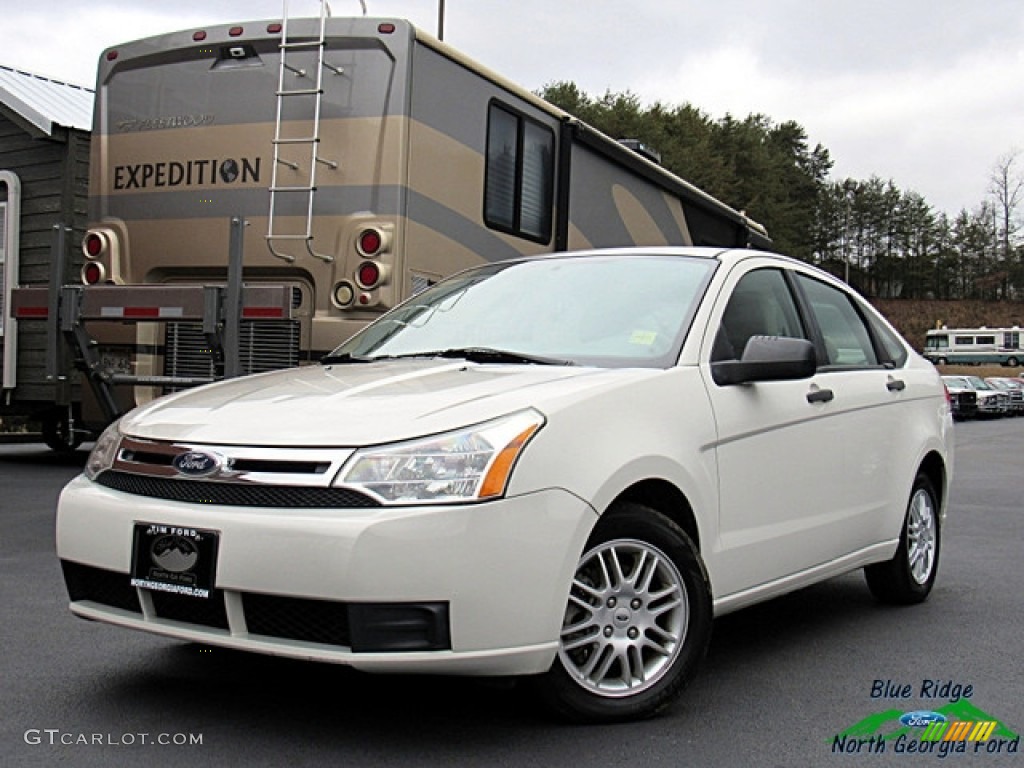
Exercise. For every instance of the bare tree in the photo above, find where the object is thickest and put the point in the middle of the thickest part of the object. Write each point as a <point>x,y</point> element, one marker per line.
<point>1006,185</point>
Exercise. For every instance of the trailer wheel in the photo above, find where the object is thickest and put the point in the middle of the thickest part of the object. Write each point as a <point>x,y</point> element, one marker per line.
<point>58,434</point>
<point>1013,362</point>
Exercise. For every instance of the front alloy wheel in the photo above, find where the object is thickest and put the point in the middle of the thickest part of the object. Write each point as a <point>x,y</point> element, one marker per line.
<point>626,618</point>
<point>637,621</point>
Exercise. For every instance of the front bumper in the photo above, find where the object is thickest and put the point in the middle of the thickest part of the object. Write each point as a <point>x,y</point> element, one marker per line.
<point>497,574</point>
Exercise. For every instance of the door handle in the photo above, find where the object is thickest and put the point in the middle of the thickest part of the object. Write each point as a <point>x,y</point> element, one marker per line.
<point>895,385</point>
<point>820,396</point>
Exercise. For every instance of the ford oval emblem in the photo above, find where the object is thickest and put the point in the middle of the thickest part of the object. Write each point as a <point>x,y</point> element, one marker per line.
<point>922,718</point>
<point>196,463</point>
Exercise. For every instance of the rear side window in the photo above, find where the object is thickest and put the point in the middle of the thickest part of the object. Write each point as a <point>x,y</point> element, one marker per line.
<point>519,174</point>
<point>892,347</point>
<point>846,336</point>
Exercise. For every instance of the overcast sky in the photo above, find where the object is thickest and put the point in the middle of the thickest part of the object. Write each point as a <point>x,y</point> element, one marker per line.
<point>929,93</point>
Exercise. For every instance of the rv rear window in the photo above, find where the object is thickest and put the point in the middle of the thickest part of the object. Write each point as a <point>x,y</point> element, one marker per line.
<point>519,174</point>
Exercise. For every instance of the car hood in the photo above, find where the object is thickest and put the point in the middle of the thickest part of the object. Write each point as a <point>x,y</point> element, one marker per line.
<point>361,403</point>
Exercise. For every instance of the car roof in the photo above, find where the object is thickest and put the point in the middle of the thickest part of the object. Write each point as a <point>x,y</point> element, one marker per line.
<point>717,253</point>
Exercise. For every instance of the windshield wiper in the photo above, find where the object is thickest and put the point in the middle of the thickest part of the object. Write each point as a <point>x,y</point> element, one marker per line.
<point>344,357</point>
<point>472,354</point>
<point>488,355</point>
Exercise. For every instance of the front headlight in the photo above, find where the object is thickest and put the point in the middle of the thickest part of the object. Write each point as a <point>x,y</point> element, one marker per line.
<point>104,452</point>
<point>471,464</point>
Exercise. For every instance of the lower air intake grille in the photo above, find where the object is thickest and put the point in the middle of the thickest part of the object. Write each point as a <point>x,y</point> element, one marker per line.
<point>235,494</point>
<point>209,612</point>
<point>313,621</point>
<point>100,586</point>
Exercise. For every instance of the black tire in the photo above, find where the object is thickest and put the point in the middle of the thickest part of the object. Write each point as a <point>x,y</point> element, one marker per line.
<point>57,433</point>
<point>909,577</point>
<point>941,361</point>
<point>1012,362</point>
<point>648,631</point>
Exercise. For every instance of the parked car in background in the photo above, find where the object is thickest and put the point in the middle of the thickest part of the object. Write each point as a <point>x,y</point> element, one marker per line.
<point>990,401</point>
<point>556,467</point>
<point>962,398</point>
<point>1014,389</point>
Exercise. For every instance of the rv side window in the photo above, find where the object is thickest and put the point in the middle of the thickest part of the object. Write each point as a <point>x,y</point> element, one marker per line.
<point>519,175</point>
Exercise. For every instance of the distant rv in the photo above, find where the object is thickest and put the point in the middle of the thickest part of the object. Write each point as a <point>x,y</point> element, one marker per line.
<point>974,346</point>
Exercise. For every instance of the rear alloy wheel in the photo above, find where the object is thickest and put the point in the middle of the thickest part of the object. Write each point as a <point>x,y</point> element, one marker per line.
<point>637,623</point>
<point>910,575</point>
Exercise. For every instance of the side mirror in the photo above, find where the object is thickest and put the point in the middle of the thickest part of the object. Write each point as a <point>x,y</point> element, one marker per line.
<point>768,358</point>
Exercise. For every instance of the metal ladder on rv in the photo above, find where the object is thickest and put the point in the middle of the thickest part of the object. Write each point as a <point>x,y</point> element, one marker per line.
<point>280,190</point>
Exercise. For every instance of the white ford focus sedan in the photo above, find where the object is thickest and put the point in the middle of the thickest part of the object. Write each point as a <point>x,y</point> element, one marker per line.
<point>560,467</point>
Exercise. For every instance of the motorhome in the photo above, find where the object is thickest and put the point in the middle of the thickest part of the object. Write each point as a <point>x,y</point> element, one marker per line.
<point>974,346</point>
<point>259,191</point>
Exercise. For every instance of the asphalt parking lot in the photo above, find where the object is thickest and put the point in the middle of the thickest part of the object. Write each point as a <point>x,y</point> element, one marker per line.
<point>784,684</point>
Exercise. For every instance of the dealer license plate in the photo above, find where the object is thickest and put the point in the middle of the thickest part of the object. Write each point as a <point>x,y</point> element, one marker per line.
<point>169,558</point>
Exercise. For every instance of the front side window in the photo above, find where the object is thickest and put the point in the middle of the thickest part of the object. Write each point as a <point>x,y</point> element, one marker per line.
<point>760,305</point>
<point>519,175</point>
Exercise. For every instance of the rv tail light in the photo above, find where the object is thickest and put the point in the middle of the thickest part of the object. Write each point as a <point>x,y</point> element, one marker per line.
<point>94,245</point>
<point>386,28</point>
<point>199,36</point>
<point>368,275</point>
<point>236,31</point>
<point>373,241</point>
<point>111,55</point>
<point>93,273</point>
<point>369,242</point>
<point>274,29</point>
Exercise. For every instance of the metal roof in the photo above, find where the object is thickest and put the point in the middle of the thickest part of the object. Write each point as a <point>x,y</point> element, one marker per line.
<point>44,102</point>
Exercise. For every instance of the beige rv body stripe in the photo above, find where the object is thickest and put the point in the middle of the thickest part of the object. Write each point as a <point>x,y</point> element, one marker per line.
<point>640,224</point>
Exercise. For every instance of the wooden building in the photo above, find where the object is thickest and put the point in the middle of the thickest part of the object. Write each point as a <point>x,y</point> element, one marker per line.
<point>44,168</point>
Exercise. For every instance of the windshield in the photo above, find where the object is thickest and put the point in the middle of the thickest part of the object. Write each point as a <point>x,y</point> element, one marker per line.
<point>610,311</point>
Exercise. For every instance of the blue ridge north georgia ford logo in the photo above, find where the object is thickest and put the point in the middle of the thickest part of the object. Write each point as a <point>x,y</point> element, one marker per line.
<point>196,463</point>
